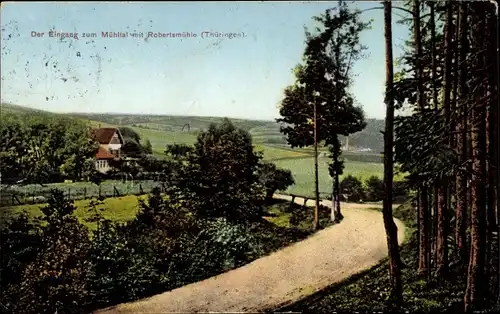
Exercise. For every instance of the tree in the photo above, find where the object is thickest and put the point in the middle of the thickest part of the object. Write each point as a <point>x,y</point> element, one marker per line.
<point>79,152</point>
<point>374,189</point>
<point>274,179</point>
<point>218,177</point>
<point>442,216</point>
<point>130,133</point>
<point>319,102</point>
<point>13,148</point>
<point>423,214</point>
<point>39,148</point>
<point>476,279</point>
<point>390,226</point>
<point>148,148</point>
<point>353,188</point>
<point>132,142</point>
<point>461,141</point>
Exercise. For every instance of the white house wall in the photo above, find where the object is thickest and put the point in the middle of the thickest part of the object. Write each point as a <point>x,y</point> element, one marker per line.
<point>114,146</point>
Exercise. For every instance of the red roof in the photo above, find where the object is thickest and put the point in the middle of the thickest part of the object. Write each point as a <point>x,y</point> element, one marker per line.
<point>104,135</point>
<point>103,153</point>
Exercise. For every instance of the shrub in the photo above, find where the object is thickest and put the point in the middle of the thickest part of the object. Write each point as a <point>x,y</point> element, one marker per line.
<point>274,179</point>
<point>374,189</point>
<point>400,190</point>
<point>21,241</point>
<point>56,280</point>
<point>119,271</point>
<point>352,187</point>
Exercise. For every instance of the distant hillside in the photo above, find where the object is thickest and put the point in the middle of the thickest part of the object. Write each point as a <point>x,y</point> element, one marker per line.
<point>371,137</point>
<point>265,132</point>
<point>163,128</point>
<point>7,107</point>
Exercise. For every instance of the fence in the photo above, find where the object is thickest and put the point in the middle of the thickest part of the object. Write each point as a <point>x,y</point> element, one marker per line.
<point>33,194</point>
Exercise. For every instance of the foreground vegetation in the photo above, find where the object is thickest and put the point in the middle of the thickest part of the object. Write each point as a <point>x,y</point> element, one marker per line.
<point>208,221</point>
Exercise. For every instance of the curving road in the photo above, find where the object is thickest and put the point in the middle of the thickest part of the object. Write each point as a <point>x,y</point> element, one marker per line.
<point>327,257</point>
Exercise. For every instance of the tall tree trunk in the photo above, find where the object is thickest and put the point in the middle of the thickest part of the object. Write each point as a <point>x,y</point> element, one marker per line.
<point>334,195</point>
<point>338,213</point>
<point>423,228</point>
<point>491,134</point>
<point>434,206</point>
<point>461,178</point>
<point>433,55</point>
<point>423,267</point>
<point>476,283</point>
<point>493,52</point>
<point>442,217</point>
<point>390,226</point>
<point>475,280</point>
<point>316,177</point>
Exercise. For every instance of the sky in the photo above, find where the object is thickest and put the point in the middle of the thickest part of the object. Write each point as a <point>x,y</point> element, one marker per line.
<point>241,77</point>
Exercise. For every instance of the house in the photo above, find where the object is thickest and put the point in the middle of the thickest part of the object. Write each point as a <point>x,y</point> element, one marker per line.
<point>110,144</point>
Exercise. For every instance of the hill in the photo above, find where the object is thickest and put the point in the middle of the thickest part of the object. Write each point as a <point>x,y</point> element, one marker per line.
<point>11,108</point>
<point>163,129</point>
<point>263,132</point>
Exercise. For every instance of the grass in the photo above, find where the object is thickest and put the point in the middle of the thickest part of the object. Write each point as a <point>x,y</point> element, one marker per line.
<point>272,153</point>
<point>118,209</point>
<point>286,223</point>
<point>303,172</point>
<point>121,209</point>
<point>76,190</point>
<point>368,291</point>
<point>285,215</point>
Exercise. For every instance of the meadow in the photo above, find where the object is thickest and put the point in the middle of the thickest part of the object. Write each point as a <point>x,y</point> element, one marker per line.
<point>37,193</point>
<point>303,171</point>
<point>117,209</point>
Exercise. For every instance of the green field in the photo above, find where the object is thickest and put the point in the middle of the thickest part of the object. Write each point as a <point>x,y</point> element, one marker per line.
<point>36,193</point>
<point>303,172</point>
<point>118,209</point>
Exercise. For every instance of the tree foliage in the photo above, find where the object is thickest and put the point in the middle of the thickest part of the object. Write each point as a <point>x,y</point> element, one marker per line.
<point>218,176</point>
<point>322,86</point>
<point>38,148</point>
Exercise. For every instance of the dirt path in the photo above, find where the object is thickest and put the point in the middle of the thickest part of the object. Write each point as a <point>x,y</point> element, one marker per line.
<point>301,269</point>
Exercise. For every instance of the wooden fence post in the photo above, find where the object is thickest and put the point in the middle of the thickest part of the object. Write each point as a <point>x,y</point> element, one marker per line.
<point>99,191</point>
<point>292,202</point>
<point>141,191</point>
<point>84,192</point>
<point>69,193</point>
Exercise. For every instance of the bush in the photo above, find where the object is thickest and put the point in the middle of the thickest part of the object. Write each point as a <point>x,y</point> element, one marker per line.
<point>234,242</point>
<point>374,189</point>
<point>119,271</point>
<point>55,281</point>
<point>21,241</point>
<point>274,179</point>
<point>400,191</point>
<point>352,187</point>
